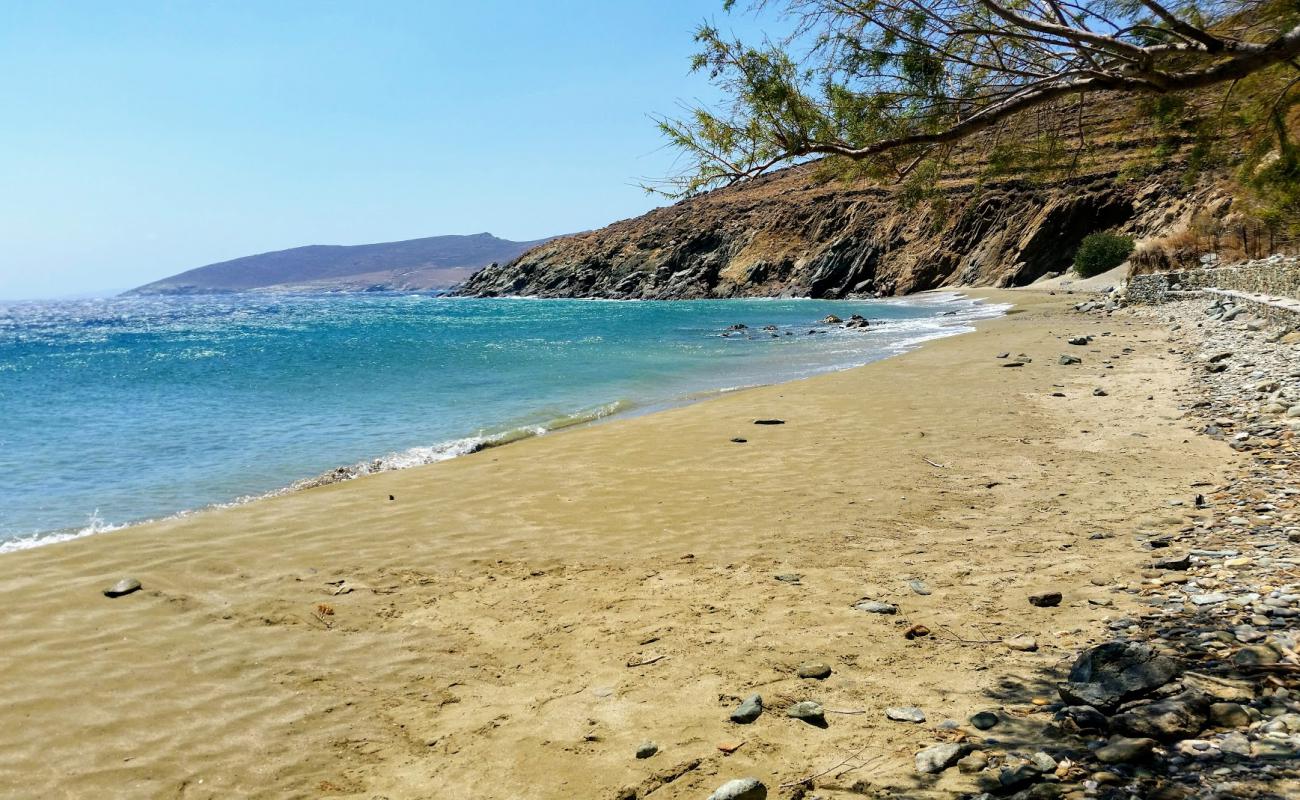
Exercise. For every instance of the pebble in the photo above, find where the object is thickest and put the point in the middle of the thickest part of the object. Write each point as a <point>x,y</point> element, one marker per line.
<point>876,607</point>
<point>905,714</point>
<point>1021,642</point>
<point>937,758</point>
<point>919,587</point>
<point>808,711</point>
<point>740,789</point>
<point>1122,750</point>
<point>749,710</point>
<point>123,587</point>
<point>984,720</point>
<point>814,670</point>
<point>1045,599</point>
<point>1066,361</point>
<point>646,749</point>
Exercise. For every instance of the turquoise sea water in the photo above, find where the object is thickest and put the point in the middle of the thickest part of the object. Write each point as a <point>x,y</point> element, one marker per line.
<point>116,411</point>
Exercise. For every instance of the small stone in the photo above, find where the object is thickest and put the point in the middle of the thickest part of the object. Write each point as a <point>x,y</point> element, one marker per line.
<point>1256,655</point>
<point>814,670</point>
<point>647,749</point>
<point>122,588</point>
<point>749,710</point>
<point>984,720</point>
<point>905,714</point>
<point>1173,562</point>
<point>1003,355</point>
<point>1235,744</point>
<point>1164,720</point>
<point>919,587</point>
<point>1209,599</point>
<point>937,758</point>
<point>769,422</point>
<point>974,762</point>
<point>1122,750</point>
<point>876,607</point>
<point>740,789</point>
<point>789,577</point>
<point>1066,361</point>
<point>1079,340</point>
<point>739,440</point>
<point>1045,599</point>
<point>1228,715</point>
<point>1099,392</point>
<point>1021,642</point>
<point>808,711</point>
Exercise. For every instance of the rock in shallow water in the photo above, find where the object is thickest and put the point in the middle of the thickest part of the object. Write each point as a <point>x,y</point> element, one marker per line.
<point>123,587</point>
<point>740,789</point>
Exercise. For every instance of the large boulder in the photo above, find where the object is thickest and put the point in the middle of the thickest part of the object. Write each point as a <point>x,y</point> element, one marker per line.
<point>1109,674</point>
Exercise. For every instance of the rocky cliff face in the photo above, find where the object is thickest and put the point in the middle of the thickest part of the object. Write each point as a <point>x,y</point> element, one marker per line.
<point>792,235</point>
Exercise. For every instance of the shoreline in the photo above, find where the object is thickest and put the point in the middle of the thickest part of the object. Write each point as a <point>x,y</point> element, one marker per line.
<point>425,455</point>
<point>514,624</point>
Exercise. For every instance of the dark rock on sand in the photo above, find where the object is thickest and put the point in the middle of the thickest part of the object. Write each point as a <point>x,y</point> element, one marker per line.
<point>1068,360</point>
<point>769,422</point>
<point>749,710</point>
<point>1045,599</point>
<point>647,749</point>
<point>984,720</point>
<point>1106,675</point>
<point>123,587</point>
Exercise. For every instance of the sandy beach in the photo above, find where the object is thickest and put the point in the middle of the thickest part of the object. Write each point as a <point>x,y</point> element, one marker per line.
<point>515,623</point>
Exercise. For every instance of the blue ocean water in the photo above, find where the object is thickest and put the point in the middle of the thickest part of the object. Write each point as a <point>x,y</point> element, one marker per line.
<point>115,411</point>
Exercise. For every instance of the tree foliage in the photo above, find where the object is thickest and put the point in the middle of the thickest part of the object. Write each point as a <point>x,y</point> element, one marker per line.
<point>889,84</point>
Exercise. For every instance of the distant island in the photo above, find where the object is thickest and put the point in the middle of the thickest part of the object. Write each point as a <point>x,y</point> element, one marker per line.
<point>436,262</point>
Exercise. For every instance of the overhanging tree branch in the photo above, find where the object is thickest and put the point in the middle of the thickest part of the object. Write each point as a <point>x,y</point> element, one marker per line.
<point>863,79</point>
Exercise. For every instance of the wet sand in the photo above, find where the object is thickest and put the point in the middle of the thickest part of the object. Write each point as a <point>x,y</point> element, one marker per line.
<point>514,623</point>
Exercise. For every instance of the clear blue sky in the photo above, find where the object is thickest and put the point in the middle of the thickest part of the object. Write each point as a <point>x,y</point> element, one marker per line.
<point>142,139</point>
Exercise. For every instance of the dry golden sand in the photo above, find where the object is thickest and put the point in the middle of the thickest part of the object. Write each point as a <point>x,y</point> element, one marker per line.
<point>480,645</point>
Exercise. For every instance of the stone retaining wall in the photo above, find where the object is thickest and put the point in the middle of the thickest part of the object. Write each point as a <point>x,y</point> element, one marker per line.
<point>1275,275</point>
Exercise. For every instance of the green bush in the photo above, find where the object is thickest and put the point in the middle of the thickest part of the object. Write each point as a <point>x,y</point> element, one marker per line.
<point>1100,252</point>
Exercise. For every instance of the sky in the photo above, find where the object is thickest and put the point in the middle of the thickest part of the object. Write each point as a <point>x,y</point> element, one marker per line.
<point>144,139</point>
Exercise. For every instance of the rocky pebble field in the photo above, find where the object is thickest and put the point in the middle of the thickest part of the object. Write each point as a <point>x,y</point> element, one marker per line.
<point>1198,696</point>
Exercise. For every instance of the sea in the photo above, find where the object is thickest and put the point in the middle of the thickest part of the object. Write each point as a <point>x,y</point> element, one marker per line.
<point>121,410</point>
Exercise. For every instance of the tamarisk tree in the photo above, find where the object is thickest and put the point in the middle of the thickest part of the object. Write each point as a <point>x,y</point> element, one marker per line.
<point>890,83</point>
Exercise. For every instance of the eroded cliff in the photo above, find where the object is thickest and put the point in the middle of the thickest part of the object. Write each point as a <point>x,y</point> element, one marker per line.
<point>790,234</point>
